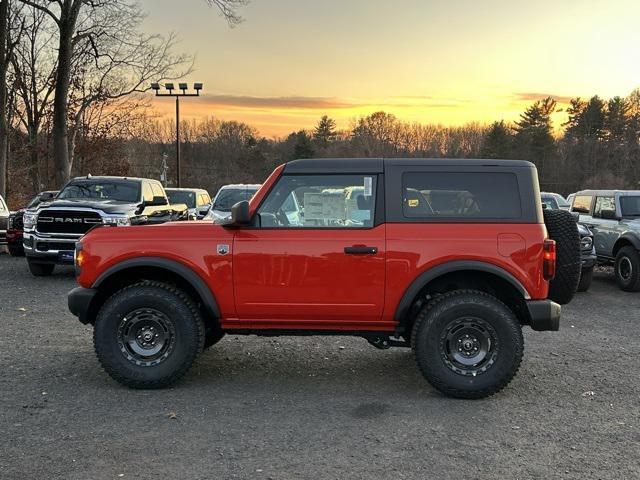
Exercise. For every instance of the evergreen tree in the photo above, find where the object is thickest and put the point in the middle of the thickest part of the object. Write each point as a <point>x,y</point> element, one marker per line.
<point>325,131</point>
<point>497,142</point>
<point>533,132</point>
<point>616,117</point>
<point>303,148</point>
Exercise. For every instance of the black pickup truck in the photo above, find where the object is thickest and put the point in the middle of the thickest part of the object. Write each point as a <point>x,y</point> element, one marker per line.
<point>52,228</point>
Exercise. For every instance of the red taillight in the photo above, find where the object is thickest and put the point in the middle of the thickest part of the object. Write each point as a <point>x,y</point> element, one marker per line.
<point>549,259</point>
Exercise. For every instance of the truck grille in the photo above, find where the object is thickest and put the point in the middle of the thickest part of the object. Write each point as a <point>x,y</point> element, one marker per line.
<point>46,246</point>
<point>67,221</point>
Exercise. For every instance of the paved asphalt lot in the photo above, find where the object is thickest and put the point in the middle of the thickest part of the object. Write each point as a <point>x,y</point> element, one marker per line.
<point>321,408</point>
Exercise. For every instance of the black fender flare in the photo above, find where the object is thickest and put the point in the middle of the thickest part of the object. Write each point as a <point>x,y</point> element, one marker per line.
<point>455,266</point>
<point>177,268</point>
<point>628,237</point>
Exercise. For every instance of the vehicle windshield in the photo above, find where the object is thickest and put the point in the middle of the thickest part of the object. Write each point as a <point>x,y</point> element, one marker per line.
<point>630,205</point>
<point>228,197</point>
<point>549,202</point>
<point>121,191</point>
<point>182,196</point>
<point>561,201</point>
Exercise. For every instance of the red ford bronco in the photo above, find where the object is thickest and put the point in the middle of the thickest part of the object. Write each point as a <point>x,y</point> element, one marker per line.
<point>449,257</point>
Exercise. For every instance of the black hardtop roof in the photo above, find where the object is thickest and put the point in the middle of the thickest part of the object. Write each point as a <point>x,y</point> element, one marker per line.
<point>377,165</point>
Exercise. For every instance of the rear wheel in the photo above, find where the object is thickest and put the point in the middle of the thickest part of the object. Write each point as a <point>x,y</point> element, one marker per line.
<point>467,344</point>
<point>586,276</point>
<point>147,335</point>
<point>15,251</point>
<point>40,269</point>
<point>627,269</point>
<point>562,228</point>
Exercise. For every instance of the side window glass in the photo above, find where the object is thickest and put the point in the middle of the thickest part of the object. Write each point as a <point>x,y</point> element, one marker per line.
<point>320,201</point>
<point>460,195</point>
<point>604,203</point>
<point>3,207</point>
<point>147,193</point>
<point>582,204</point>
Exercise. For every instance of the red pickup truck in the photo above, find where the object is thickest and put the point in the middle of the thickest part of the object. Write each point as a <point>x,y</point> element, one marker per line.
<point>449,257</point>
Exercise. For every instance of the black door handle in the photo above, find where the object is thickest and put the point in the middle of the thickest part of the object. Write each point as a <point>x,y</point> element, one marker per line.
<point>360,250</point>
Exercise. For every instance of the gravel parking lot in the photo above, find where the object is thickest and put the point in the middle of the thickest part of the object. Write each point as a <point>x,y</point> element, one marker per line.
<point>333,408</point>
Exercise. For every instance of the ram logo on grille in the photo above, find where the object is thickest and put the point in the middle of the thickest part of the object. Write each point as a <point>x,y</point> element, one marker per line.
<point>68,220</point>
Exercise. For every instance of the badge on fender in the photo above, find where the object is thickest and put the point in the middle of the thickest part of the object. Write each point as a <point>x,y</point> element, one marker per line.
<point>223,249</point>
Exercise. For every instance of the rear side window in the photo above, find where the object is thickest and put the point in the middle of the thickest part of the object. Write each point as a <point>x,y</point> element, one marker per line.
<point>604,203</point>
<point>582,203</point>
<point>490,195</point>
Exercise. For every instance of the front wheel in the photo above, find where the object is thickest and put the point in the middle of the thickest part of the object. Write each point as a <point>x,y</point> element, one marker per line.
<point>40,269</point>
<point>586,277</point>
<point>467,343</point>
<point>147,335</point>
<point>627,269</point>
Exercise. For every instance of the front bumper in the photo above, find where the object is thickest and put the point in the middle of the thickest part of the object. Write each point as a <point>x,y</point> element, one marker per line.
<point>544,315</point>
<point>50,249</point>
<point>79,300</point>
<point>588,258</point>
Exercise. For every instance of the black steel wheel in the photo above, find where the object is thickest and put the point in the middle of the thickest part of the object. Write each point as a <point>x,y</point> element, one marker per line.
<point>468,344</point>
<point>627,269</point>
<point>148,335</point>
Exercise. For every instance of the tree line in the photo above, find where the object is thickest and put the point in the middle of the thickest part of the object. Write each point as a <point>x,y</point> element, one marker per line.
<point>73,77</point>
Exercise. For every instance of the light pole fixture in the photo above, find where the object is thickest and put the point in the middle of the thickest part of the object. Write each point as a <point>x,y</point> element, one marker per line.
<point>183,92</point>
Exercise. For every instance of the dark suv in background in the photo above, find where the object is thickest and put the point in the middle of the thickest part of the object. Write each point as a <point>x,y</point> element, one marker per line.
<point>4,220</point>
<point>52,228</point>
<point>15,228</point>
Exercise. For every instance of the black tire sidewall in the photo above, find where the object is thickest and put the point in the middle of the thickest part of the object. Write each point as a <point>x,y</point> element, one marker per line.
<point>510,345</point>
<point>187,336</point>
<point>562,227</point>
<point>586,277</point>
<point>39,269</point>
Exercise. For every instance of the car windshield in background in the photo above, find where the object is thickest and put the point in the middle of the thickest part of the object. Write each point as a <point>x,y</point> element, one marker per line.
<point>549,202</point>
<point>630,205</point>
<point>118,191</point>
<point>178,196</point>
<point>228,197</point>
<point>561,201</point>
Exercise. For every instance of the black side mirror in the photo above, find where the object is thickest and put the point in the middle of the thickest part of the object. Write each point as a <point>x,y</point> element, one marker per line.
<point>157,202</point>
<point>608,214</point>
<point>44,196</point>
<point>239,214</point>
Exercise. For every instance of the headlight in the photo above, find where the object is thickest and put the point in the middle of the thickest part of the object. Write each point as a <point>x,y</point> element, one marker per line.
<point>117,221</point>
<point>10,223</point>
<point>29,220</point>
<point>586,243</point>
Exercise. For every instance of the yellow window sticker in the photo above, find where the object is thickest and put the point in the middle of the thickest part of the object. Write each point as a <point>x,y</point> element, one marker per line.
<point>413,202</point>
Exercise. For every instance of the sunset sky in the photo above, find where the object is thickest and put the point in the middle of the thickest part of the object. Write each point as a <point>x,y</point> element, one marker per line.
<point>430,61</point>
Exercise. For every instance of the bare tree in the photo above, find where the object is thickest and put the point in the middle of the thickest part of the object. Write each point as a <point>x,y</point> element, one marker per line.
<point>34,67</point>
<point>9,37</point>
<point>79,22</point>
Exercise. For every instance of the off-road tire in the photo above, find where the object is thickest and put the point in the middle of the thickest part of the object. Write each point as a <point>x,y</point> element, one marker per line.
<point>586,276</point>
<point>562,228</point>
<point>176,306</point>
<point>212,336</point>
<point>434,321</point>
<point>631,281</point>
<point>40,269</point>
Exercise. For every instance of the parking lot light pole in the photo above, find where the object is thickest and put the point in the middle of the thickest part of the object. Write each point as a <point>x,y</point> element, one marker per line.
<point>182,87</point>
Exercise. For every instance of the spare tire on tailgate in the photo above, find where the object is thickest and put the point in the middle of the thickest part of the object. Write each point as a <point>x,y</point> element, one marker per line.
<point>562,228</point>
